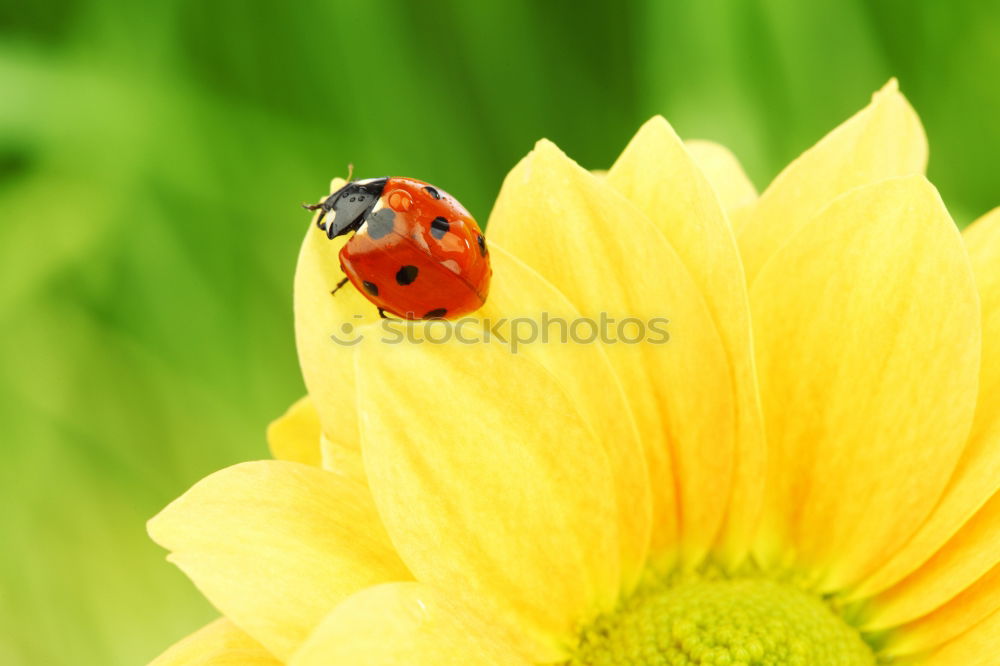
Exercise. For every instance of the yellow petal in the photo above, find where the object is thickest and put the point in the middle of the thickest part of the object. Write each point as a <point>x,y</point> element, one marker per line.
<point>219,643</point>
<point>328,367</point>
<point>403,624</point>
<point>343,459</point>
<point>606,256</point>
<point>295,435</point>
<point>724,172</point>
<point>660,177</point>
<point>868,356</point>
<point>983,241</point>
<point>492,486</point>
<point>883,140</point>
<point>960,614</point>
<point>276,545</point>
<point>970,554</point>
<point>977,477</point>
<point>585,374</point>
<point>977,647</point>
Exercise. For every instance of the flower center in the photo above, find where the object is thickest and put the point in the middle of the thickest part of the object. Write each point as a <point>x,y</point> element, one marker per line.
<point>739,622</point>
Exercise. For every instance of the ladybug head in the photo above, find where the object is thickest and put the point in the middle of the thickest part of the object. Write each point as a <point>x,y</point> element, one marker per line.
<point>350,205</point>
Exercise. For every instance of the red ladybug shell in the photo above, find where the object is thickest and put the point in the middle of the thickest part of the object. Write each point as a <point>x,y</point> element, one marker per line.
<point>417,253</point>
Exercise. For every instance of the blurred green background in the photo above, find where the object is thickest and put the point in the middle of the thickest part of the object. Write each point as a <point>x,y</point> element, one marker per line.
<point>153,156</point>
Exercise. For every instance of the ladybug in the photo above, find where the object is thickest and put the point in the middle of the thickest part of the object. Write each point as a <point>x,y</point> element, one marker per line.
<point>416,252</point>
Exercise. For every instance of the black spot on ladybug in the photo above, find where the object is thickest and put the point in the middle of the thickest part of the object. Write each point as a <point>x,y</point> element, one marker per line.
<point>437,313</point>
<point>380,223</point>
<point>406,275</point>
<point>431,191</point>
<point>371,288</point>
<point>439,227</point>
<point>482,244</point>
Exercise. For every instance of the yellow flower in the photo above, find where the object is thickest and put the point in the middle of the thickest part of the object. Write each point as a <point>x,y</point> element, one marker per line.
<point>817,488</point>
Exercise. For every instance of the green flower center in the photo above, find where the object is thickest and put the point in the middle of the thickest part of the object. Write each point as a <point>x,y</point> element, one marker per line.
<point>739,622</point>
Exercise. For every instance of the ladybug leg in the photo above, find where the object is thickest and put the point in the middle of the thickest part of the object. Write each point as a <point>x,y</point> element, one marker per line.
<point>394,317</point>
<point>339,285</point>
<point>317,206</point>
